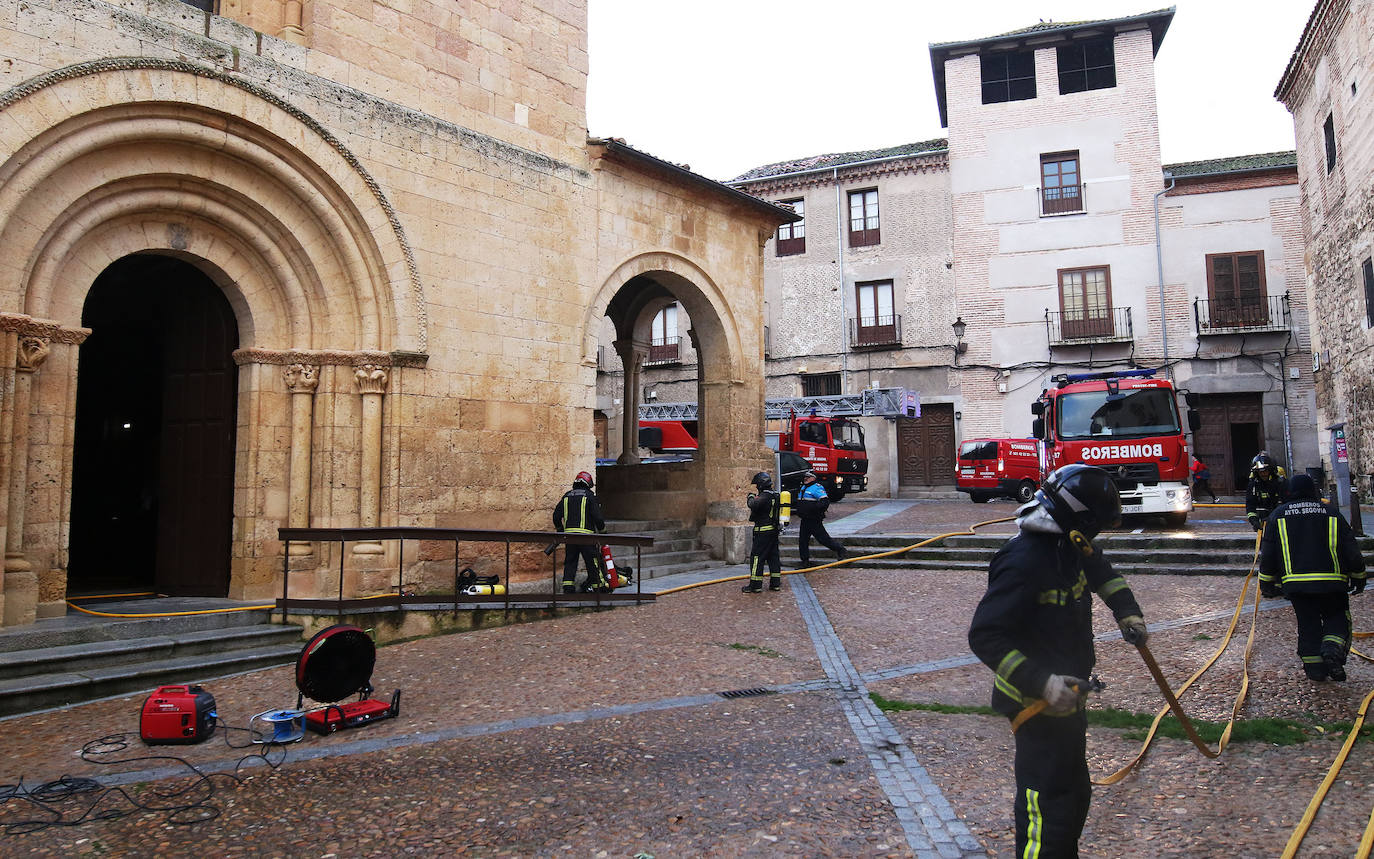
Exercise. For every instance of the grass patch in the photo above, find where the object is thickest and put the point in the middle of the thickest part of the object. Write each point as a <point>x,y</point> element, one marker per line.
<point>754,648</point>
<point>1202,636</point>
<point>1279,732</point>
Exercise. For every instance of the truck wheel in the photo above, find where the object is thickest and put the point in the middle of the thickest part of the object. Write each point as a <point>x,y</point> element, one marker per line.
<point>1025,491</point>
<point>1175,520</point>
<point>978,497</point>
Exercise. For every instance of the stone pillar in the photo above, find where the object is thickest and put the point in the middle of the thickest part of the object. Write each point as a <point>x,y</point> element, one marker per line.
<point>301,381</point>
<point>371,379</point>
<point>292,29</point>
<point>21,584</point>
<point>632,357</point>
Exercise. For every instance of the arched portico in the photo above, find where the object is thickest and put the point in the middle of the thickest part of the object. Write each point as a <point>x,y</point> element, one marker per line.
<point>183,162</point>
<point>729,396</point>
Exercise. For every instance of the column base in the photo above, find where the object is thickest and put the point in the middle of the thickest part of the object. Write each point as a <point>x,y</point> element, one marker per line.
<point>21,597</point>
<point>368,549</point>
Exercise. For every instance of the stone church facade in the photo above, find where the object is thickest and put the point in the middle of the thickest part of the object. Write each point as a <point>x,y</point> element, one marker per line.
<point>329,264</point>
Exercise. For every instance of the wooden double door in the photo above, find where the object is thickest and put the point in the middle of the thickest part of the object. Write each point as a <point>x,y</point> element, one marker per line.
<point>1232,433</point>
<point>925,447</point>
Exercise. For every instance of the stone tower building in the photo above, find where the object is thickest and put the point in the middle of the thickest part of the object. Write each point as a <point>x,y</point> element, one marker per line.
<point>329,263</point>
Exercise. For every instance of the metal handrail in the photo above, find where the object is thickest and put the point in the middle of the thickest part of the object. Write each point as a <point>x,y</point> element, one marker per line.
<point>1234,316</point>
<point>879,331</point>
<point>457,535</point>
<point>1114,328</point>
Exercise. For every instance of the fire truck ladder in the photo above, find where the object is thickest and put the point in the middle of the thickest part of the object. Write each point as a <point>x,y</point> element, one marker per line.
<point>868,402</point>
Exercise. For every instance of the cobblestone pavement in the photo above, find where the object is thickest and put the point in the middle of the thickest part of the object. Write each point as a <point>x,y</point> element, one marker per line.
<point>606,734</point>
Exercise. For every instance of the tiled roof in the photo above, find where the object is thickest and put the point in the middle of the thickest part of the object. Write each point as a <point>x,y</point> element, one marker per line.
<point>841,159</point>
<point>1234,164</point>
<point>1048,26</point>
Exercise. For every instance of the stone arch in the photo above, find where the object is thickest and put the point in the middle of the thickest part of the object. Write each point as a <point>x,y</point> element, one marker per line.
<point>729,400</point>
<point>182,159</point>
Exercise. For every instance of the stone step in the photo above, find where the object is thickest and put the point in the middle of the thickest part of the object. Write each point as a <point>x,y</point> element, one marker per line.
<point>79,658</point>
<point>36,692</point>
<point>76,628</point>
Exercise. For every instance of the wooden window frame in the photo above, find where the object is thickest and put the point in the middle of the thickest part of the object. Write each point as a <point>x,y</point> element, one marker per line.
<point>664,348</point>
<point>1083,73</point>
<point>1001,83</point>
<point>877,328</point>
<point>791,238</point>
<point>1086,327</point>
<point>820,384</point>
<point>865,236</point>
<point>1234,310</point>
<point>1060,200</point>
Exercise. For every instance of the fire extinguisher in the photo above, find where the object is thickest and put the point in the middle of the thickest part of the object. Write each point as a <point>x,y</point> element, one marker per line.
<point>612,577</point>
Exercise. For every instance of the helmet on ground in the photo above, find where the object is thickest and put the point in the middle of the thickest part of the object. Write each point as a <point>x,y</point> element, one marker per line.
<point>1262,462</point>
<point>763,480</point>
<point>583,478</point>
<point>1083,500</point>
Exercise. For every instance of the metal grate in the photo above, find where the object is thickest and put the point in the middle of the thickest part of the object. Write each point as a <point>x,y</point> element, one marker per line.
<point>746,693</point>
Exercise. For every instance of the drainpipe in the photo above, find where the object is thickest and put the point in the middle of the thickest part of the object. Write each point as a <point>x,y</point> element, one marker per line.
<point>839,248</point>
<point>1159,262</point>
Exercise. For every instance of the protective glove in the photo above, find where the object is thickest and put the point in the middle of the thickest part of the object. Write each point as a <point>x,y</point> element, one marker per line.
<point>1270,590</point>
<point>1254,520</point>
<point>1133,630</point>
<point>1357,585</point>
<point>1060,697</point>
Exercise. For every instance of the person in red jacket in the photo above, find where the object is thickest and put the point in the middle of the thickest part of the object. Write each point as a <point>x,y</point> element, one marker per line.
<point>1034,628</point>
<point>1201,475</point>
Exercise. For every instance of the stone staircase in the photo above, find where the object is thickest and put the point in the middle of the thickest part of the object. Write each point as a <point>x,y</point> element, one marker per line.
<point>77,658</point>
<point>676,549</point>
<point>1130,554</point>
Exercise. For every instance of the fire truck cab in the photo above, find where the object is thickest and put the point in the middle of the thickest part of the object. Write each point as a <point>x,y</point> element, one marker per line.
<point>1128,423</point>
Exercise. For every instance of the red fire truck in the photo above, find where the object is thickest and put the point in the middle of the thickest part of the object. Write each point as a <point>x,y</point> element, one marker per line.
<point>819,429</point>
<point>1126,422</point>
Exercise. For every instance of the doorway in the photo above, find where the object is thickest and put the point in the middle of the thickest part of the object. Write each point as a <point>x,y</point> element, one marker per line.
<point>153,457</point>
<point>1231,434</point>
<point>925,447</point>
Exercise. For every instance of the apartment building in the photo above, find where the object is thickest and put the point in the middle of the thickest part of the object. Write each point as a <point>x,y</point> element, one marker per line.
<point>1044,236</point>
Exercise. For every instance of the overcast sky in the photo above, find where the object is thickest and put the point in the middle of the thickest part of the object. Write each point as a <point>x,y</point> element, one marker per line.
<point>728,85</point>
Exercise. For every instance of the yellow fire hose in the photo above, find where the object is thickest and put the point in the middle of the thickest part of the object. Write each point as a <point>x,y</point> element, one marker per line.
<point>967,532</point>
<point>71,603</point>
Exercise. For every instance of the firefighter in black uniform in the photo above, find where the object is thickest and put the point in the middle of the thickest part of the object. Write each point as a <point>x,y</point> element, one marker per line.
<point>764,507</point>
<point>578,512</point>
<point>1308,553</point>
<point>1264,491</point>
<point>1034,628</point>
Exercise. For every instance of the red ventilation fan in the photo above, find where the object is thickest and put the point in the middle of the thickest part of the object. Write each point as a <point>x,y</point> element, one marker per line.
<point>336,664</point>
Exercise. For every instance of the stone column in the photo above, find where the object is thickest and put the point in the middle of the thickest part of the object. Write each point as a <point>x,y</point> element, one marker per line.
<point>371,379</point>
<point>21,584</point>
<point>292,29</point>
<point>632,357</point>
<point>301,381</point>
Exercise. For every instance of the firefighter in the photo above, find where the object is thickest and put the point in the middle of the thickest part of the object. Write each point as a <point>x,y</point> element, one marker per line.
<point>578,512</point>
<point>811,505</point>
<point>763,512</point>
<point>1033,627</point>
<point>1308,553</point>
<point>1265,490</point>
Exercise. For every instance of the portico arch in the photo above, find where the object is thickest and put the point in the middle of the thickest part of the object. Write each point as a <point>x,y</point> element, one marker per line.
<point>729,397</point>
<point>183,161</point>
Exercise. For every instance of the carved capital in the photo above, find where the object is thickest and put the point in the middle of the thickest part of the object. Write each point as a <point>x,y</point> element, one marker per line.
<point>301,378</point>
<point>33,351</point>
<point>371,379</point>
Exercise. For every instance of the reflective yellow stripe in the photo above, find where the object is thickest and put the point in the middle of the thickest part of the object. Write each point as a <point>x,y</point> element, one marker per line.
<point>1111,587</point>
<point>1010,663</point>
<point>1007,689</point>
<point>1283,545</point>
<point>1331,545</point>
<point>1035,825</point>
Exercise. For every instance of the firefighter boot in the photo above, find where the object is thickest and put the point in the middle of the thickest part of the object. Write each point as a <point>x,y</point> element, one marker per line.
<point>775,583</point>
<point>1314,670</point>
<point>753,587</point>
<point>1334,657</point>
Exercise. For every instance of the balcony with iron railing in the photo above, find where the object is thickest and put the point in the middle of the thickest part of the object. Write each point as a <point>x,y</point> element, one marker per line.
<point>1076,329</point>
<point>1064,200</point>
<point>1242,316</point>
<point>664,351</point>
<point>875,332</point>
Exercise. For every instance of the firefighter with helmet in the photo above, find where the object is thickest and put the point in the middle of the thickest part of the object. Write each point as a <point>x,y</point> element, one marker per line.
<point>764,511</point>
<point>1308,554</point>
<point>1033,627</point>
<point>578,512</point>
<point>1265,490</point>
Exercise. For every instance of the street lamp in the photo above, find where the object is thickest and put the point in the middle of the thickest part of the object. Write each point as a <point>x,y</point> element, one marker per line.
<point>960,347</point>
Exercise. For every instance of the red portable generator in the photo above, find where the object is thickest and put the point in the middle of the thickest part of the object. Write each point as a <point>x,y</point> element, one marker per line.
<point>177,715</point>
